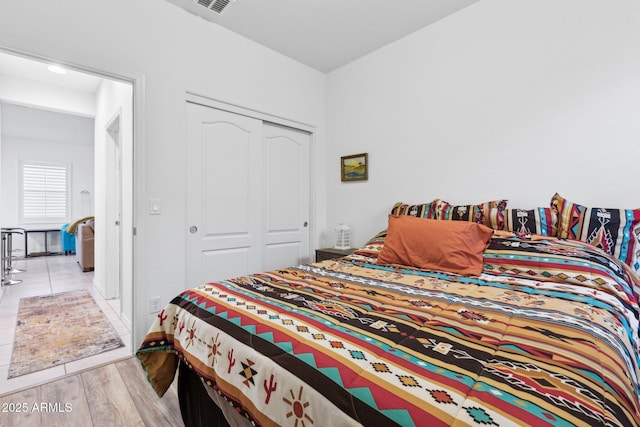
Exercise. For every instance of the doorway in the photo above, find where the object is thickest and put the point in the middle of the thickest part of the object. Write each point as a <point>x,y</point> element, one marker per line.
<point>113,109</point>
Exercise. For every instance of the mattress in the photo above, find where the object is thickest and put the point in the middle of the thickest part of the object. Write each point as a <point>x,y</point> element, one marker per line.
<point>547,334</point>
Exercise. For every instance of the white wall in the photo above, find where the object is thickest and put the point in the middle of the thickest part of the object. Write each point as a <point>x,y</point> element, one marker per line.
<point>38,135</point>
<point>170,52</point>
<point>114,102</point>
<point>505,99</point>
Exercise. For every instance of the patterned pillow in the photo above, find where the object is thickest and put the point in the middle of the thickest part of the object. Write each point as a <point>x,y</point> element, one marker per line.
<point>373,247</point>
<point>541,221</point>
<point>616,231</point>
<point>473,213</point>
<point>421,211</point>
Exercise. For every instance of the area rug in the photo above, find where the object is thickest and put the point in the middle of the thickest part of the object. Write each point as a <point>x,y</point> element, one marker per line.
<point>55,329</point>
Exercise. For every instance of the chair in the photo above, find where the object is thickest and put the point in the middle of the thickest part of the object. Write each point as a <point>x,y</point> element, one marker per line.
<point>68,240</point>
<point>85,245</point>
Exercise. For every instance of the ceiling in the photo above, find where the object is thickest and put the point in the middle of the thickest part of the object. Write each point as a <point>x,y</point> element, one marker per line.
<point>325,34</point>
<point>28,69</point>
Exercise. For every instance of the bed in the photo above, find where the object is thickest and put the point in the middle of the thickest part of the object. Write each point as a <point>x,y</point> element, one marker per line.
<point>544,333</point>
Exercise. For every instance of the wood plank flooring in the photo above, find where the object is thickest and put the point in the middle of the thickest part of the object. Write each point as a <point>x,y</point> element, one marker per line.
<point>116,394</point>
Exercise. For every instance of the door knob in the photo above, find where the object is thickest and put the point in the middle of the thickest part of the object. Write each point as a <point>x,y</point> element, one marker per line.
<point>306,224</point>
<point>193,229</point>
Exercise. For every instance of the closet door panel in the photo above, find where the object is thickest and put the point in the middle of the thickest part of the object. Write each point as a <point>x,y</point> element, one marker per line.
<point>287,175</point>
<point>224,176</point>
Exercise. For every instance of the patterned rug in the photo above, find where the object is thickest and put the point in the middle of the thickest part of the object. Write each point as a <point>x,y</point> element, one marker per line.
<point>60,328</point>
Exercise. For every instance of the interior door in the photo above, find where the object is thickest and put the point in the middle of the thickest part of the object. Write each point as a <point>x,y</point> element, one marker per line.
<point>224,187</point>
<point>286,196</point>
<point>113,229</point>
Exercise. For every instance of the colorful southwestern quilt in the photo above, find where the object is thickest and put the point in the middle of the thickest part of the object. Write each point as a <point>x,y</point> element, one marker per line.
<point>546,335</point>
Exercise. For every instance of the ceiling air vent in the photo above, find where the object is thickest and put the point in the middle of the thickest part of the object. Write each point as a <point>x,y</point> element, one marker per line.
<point>214,5</point>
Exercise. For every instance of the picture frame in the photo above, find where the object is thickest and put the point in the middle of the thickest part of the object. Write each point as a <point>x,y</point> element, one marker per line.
<point>354,167</point>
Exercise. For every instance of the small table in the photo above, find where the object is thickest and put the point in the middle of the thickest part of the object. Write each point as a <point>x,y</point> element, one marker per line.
<point>46,232</point>
<point>332,253</point>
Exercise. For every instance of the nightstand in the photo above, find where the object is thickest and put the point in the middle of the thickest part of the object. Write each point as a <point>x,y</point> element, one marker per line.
<point>332,253</point>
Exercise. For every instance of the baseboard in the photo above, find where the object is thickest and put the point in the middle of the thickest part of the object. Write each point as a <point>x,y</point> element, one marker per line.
<point>127,322</point>
<point>99,287</point>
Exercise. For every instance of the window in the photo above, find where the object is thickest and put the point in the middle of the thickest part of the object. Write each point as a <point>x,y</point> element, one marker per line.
<point>45,192</point>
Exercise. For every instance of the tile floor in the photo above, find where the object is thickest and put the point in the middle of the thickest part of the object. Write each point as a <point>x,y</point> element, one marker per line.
<point>44,276</point>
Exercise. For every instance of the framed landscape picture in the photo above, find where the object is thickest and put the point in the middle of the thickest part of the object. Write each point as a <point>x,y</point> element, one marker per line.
<point>354,167</point>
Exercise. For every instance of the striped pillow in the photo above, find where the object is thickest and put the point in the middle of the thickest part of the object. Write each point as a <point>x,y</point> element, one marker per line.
<point>542,221</point>
<point>421,211</point>
<point>473,213</point>
<point>616,231</point>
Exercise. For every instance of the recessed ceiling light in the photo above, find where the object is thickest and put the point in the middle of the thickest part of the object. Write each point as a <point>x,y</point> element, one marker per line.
<point>57,69</point>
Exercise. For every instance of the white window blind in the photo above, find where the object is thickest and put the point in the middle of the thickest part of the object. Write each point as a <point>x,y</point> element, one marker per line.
<point>45,192</point>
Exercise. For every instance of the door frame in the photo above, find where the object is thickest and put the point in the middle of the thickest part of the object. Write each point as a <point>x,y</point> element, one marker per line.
<point>267,117</point>
<point>113,263</point>
<point>256,114</point>
<point>136,81</point>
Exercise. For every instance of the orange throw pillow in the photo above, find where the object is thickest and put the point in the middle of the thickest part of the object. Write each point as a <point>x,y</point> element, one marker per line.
<point>452,246</point>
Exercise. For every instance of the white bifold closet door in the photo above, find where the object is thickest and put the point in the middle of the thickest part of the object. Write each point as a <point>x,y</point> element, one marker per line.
<point>247,195</point>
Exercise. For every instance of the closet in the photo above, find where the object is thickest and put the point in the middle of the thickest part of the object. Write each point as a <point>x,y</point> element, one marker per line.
<point>248,185</point>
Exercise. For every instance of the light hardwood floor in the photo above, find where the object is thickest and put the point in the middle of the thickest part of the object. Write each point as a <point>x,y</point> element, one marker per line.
<point>116,394</point>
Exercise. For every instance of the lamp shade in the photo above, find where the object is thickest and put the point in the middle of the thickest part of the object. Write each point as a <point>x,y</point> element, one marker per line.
<point>343,237</point>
